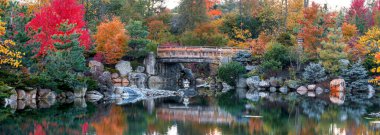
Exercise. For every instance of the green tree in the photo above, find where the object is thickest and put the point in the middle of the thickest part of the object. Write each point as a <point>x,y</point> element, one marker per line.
<point>230,72</point>
<point>191,13</point>
<point>138,42</point>
<point>64,65</point>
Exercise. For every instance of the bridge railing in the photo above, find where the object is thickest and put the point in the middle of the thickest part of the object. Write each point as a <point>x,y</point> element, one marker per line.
<point>196,51</point>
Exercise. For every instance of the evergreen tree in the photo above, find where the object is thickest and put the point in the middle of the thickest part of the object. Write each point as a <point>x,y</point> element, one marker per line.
<point>356,77</point>
<point>314,73</point>
<point>64,64</point>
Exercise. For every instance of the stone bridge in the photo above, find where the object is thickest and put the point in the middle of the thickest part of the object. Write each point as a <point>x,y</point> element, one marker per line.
<point>194,54</point>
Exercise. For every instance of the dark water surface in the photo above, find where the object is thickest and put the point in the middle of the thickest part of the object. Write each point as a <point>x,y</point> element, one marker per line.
<point>206,114</point>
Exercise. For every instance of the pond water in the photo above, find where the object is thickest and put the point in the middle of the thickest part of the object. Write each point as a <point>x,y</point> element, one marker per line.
<point>210,113</point>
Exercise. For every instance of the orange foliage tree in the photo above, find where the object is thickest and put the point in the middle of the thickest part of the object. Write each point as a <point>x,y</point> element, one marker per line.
<point>311,32</point>
<point>111,40</point>
<point>155,28</point>
<point>349,31</point>
<point>258,45</point>
<point>211,10</point>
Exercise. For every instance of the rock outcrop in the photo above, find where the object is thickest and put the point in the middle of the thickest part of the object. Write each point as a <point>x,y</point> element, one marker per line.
<point>124,67</point>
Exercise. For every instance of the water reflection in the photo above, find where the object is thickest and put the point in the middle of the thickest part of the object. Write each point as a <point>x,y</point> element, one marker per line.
<point>337,97</point>
<point>223,114</point>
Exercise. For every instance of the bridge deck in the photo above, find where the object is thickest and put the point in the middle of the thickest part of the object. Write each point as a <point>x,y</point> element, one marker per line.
<point>194,53</point>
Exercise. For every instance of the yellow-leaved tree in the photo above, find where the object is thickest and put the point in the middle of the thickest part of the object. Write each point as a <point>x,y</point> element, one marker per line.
<point>111,40</point>
<point>371,41</point>
<point>7,55</point>
<point>294,14</point>
<point>242,38</point>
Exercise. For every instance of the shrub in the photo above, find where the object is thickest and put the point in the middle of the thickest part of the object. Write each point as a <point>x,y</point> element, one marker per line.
<point>271,66</point>
<point>356,77</point>
<point>314,73</point>
<point>279,53</point>
<point>285,39</point>
<point>230,72</point>
<point>5,90</point>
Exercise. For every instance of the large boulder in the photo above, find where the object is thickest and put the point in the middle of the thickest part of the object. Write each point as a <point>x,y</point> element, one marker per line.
<point>93,95</point>
<point>46,94</point>
<point>253,82</point>
<point>272,89</point>
<point>156,82</point>
<point>114,75</point>
<point>105,81</point>
<point>31,94</point>
<point>318,90</point>
<point>80,92</point>
<point>292,84</point>
<point>150,64</point>
<point>284,90</point>
<point>69,95</point>
<point>21,94</point>
<point>138,79</point>
<point>311,87</point>
<point>124,67</point>
<point>264,84</point>
<point>96,67</point>
<point>302,90</point>
<point>337,85</point>
<point>275,82</point>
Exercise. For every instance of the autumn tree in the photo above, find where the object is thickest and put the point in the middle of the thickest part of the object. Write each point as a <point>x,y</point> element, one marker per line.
<point>358,14</point>
<point>7,54</point>
<point>332,51</point>
<point>111,40</point>
<point>242,38</point>
<point>371,41</point>
<point>295,9</point>
<point>259,45</point>
<point>47,20</point>
<point>349,31</point>
<point>211,7</point>
<point>206,34</point>
<point>310,31</point>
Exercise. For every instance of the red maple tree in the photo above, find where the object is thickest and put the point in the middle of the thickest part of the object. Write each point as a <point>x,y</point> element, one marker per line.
<point>46,23</point>
<point>211,10</point>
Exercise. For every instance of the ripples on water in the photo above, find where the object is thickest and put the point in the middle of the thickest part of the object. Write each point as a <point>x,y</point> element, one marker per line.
<point>211,113</point>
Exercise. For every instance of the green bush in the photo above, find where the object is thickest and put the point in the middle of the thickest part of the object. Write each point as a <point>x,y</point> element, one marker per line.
<point>279,53</point>
<point>230,72</point>
<point>356,77</point>
<point>5,90</point>
<point>285,39</point>
<point>271,66</point>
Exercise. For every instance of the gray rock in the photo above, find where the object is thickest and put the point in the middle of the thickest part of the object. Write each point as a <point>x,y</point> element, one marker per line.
<point>150,64</point>
<point>80,103</point>
<point>114,75</point>
<point>310,94</point>
<point>96,67</point>
<point>264,84</point>
<point>242,82</point>
<point>292,84</point>
<point>250,67</point>
<point>140,69</point>
<point>156,82</point>
<point>275,82</point>
<point>302,90</point>
<point>263,94</point>
<point>46,94</point>
<point>118,90</point>
<point>105,81</point>
<point>318,90</point>
<point>311,87</point>
<point>124,67</point>
<point>284,90</point>
<point>80,92</point>
<point>253,82</point>
<point>370,88</point>
<point>21,94</point>
<point>272,89</point>
<point>138,79</point>
<point>94,95</point>
<point>20,104</point>
<point>69,95</point>
<point>252,95</point>
<point>13,96</point>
